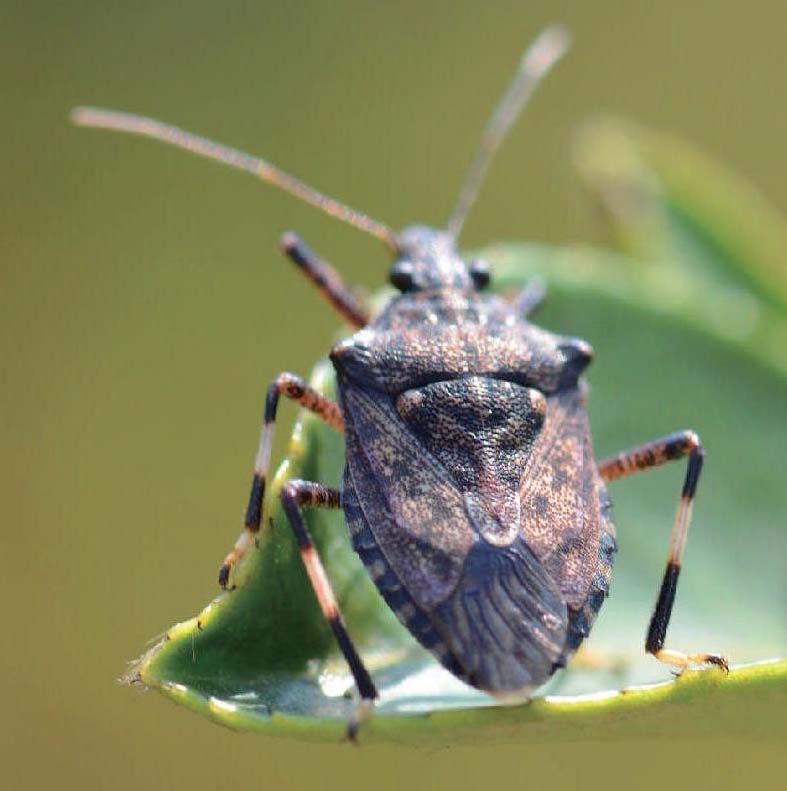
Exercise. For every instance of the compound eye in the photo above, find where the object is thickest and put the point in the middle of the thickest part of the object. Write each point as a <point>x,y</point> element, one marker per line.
<point>401,276</point>
<point>479,271</point>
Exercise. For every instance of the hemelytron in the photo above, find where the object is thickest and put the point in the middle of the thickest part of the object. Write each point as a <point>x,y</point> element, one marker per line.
<point>470,489</point>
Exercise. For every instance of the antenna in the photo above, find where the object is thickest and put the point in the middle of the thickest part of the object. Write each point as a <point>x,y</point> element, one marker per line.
<point>538,59</point>
<point>157,130</point>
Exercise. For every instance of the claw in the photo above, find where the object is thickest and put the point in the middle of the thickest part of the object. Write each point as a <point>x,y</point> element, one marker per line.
<point>683,661</point>
<point>248,539</point>
<point>718,661</point>
<point>363,711</point>
<point>352,732</point>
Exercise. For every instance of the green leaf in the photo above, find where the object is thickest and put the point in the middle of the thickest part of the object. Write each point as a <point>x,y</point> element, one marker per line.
<point>261,658</point>
<point>672,205</point>
<point>699,300</point>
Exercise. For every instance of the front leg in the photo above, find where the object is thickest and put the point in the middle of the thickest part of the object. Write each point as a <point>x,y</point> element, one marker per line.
<point>676,446</point>
<point>294,388</point>
<point>530,298</point>
<point>327,280</point>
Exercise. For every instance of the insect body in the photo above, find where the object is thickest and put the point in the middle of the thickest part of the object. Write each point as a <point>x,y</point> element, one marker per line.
<point>470,489</point>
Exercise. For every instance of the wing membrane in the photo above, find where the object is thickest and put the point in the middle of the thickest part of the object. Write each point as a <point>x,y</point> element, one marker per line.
<point>561,498</point>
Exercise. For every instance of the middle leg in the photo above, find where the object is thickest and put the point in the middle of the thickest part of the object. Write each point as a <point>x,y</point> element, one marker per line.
<point>676,446</point>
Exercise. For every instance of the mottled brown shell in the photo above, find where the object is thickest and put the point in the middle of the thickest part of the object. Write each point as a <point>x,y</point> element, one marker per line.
<point>470,490</point>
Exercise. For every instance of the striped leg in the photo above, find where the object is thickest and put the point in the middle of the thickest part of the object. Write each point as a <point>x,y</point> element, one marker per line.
<point>327,280</point>
<point>675,446</point>
<point>296,389</point>
<point>295,495</point>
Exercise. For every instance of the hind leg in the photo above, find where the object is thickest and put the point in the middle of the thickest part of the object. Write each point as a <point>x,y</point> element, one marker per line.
<point>676,446</point>
<point>305,494</point>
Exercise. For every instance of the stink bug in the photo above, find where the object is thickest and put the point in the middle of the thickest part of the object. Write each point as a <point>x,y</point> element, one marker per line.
<point>470,489</point>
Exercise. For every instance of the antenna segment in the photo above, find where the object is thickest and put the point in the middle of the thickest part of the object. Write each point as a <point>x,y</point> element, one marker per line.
<point>157,130</point>
<point>537,61</point>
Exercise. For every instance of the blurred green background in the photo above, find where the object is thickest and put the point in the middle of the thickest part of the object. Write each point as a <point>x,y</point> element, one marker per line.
<point>146,307</point>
